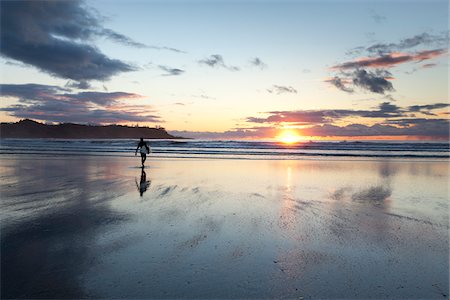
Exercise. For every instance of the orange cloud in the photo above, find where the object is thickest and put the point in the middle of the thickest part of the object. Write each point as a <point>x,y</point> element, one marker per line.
<point>389,60</point>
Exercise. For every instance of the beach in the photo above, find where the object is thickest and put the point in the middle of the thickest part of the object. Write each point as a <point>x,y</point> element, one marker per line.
<point>99,227</point>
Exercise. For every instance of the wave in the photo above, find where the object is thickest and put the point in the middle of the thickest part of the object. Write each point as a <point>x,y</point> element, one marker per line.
<point>226,149</point>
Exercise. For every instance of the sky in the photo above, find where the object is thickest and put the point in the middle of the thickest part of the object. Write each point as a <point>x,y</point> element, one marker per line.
<point>231,69</point>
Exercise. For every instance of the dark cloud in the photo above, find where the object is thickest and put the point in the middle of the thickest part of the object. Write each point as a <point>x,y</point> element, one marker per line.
<point>28,92</point>
<point>171,71</point>
<point>431,128</point>
<point>258,63</point>
<point>428,107</point>
<point>385,110</point>
<point>53,36</point>
<point>392,120</point>
<point>373,81</point>
<point>328,116</point>
<point>82,85</point>
<point>425,128</point>
<point>279,89</point>
<point>31,93</point>
<point>309,117</point>
<point>215,61</point>
<point>55,104</point>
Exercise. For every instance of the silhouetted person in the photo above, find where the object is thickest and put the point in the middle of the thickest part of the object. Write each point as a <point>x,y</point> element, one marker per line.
<point>143,184</point>
<point>144,149</point>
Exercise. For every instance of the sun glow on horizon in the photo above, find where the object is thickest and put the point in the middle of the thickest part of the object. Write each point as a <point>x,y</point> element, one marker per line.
<point>289,136</point>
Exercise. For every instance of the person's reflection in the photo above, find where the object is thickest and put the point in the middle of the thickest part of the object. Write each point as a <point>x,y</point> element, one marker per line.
<point>143,184</point>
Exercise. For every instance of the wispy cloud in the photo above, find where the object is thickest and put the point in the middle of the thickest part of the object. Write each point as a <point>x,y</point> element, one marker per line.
<point>377,17</point>
<point>279,89</point>
<point>171,71</point>
<point>216,61</point>
<point>419,40</point>
<point>257,62</point>
<point>52,103</point>
<point>341,84</point>
<point>203,96</point>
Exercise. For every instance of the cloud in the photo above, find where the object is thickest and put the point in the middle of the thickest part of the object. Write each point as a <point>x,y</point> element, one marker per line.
<point>427,108</point>
<point>202,96</point>
<point>171,71</point>
<point>258,63</point>
<point>53,36</point>
<point>409,43</point>
<point>432,128</point>
<point>391,120</point>
<point>311,117</point>
<point>215,61</point>
<point>82,85</point>
<point>390,60</point>
<point>55,104</point>
<point>339,83</point>
<point>238,133</point>
<point>423,128</point>
<point>120,38</point>
<point>297,117</point>
<point>278,89</point>
<point>382,56</point>
<point>377,17</point>
<point>373,81</point>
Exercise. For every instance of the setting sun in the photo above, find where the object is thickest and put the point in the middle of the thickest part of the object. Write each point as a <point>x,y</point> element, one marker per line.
<point>289,137</point>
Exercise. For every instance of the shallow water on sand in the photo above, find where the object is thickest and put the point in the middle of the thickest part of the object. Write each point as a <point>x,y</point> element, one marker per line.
<point>99,227</point>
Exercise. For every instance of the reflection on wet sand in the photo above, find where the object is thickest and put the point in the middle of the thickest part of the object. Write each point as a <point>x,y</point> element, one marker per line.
<point>44,253</point>
<point>143,183</point>
<point>73,228</point>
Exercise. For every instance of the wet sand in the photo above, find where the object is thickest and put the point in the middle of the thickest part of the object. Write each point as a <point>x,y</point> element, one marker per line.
<point>90,226</point>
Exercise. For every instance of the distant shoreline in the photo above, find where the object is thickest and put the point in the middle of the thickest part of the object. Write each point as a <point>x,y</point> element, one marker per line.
<point>31,129</point>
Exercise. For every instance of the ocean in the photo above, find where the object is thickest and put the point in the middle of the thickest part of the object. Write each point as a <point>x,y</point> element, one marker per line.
<point>230,149</point>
